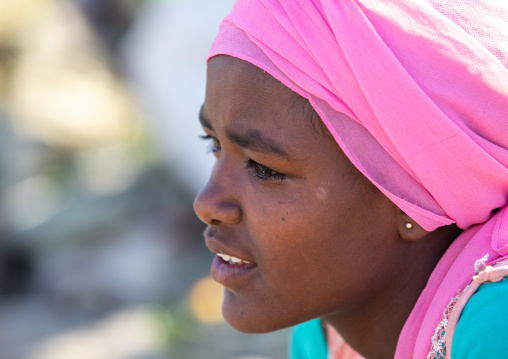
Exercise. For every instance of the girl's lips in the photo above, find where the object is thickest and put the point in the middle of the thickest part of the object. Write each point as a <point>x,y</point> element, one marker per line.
<point>231,274</point>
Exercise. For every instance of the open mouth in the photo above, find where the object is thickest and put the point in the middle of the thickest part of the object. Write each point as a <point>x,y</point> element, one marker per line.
<point>231,271</point>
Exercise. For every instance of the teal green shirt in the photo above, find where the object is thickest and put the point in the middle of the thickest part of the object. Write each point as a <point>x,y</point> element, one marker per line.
<point>307,341</point>
<point>482,330</point>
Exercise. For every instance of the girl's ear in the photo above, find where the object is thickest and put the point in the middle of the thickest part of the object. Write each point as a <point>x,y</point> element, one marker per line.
<point>409,230</point>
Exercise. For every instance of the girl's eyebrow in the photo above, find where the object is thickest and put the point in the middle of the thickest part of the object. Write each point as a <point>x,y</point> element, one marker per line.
<point>252,139</point>
<point>203,120</point>
<point>255,141</point>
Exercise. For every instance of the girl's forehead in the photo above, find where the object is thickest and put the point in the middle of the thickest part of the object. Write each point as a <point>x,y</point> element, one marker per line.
<point>226,72</point>
<point>241,93</point>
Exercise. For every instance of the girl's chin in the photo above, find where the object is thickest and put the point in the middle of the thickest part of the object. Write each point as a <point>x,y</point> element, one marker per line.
<point>241,318</point>
<point>252,326</point>
<point>252,319</point>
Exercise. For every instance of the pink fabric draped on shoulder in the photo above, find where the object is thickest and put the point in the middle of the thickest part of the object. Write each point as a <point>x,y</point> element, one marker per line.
<point>416,95</point>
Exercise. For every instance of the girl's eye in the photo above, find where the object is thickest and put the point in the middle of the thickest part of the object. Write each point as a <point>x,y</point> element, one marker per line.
<point>257,170</point>
<point>215,145</point>
<point>264,173</point>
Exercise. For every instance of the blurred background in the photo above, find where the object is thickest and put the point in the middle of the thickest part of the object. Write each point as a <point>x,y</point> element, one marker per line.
<point>101,255</point>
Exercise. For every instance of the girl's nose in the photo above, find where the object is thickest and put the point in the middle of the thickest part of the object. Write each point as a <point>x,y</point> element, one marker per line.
<point>214,205</point>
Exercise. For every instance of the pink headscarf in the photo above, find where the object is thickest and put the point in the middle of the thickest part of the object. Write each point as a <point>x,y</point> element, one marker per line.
<point>416,95</point>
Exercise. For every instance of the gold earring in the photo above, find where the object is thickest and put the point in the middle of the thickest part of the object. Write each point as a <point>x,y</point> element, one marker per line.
<point>409,225</point>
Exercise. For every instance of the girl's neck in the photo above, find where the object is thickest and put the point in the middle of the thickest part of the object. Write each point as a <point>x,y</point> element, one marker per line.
<point>373,327</point>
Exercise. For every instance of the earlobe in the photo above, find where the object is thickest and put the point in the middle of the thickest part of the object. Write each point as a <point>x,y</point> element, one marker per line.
<point>409,229</point>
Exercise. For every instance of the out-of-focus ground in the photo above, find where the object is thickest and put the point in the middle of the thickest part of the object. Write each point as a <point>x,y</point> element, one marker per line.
<point>101,255</point>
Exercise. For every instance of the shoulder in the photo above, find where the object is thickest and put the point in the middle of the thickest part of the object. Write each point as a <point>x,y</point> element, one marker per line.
<point>308,341</point>
<point>481,330</point>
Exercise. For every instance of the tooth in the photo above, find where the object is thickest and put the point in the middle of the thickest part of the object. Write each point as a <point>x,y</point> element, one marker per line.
<point>235,260</point>
<point>246,262</point>
<point>224,256</point>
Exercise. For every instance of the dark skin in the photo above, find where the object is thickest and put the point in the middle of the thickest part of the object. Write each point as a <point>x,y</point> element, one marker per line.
<point>320,240</point>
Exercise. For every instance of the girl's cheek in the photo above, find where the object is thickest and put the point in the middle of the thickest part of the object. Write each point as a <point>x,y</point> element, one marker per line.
<point>321,194</point>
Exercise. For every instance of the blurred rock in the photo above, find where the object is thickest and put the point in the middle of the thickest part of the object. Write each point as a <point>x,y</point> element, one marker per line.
<point>130,333</point>
<point>16,270</point>
<point>61,87</point>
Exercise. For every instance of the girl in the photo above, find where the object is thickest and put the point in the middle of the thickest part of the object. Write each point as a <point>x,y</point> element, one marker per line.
<point>361,175</point>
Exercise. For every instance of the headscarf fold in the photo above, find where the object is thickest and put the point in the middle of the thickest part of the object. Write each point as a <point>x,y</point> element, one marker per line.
<point>416,95</point>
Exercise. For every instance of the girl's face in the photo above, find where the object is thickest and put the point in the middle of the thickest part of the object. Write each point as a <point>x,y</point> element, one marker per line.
<point>314,237</point>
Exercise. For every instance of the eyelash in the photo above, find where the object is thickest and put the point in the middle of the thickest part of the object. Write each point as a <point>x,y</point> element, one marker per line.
<point>263,173</point>
<point>214,145</point>
<point>258,171</point>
